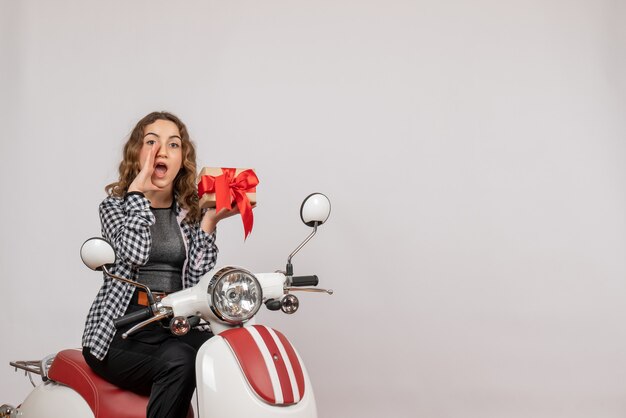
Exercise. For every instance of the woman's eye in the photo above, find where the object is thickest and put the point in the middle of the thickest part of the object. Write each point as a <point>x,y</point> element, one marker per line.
<point>150,142</point>
<point>174,145</point>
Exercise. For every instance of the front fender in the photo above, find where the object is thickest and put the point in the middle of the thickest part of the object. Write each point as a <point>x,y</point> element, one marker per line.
<point>223,389</point>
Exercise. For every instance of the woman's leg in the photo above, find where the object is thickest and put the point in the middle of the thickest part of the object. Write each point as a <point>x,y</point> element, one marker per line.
<point>196,338</point>
<point>174,381</point>
<point>164,370</point>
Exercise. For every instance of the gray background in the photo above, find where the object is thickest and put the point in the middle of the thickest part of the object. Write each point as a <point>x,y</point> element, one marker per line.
<point>473,152</point>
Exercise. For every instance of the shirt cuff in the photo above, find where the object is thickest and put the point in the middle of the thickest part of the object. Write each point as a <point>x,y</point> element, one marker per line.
<point>136,204</point>
<point>205,239</point>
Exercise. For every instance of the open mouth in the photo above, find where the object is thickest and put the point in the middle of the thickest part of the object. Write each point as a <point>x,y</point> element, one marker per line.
<point>160,170</point>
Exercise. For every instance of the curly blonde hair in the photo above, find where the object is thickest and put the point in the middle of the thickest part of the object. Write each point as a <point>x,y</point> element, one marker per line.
<point>185,188</point>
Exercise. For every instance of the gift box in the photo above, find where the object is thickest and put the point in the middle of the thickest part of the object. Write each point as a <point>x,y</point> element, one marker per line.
<point>208,193</point>
<point>229,187</point>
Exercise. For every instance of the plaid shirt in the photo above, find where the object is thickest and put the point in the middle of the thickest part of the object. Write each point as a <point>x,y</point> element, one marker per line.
<point>126,225</point>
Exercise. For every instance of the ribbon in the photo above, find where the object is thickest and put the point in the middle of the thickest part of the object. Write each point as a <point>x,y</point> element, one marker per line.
<point>229,188</point>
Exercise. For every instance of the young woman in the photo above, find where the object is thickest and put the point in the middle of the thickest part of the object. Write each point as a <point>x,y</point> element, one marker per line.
<point>162,239</point>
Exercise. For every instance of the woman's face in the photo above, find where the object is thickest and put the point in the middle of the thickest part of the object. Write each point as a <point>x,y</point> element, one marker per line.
<point>168,160</point>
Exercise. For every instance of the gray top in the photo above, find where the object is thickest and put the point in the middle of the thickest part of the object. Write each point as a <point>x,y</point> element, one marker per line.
<point>164,269</point>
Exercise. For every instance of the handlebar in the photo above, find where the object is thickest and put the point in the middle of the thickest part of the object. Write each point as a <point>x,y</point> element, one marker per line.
<point>143,313</point>
<point>193,321</point>
<point>304,281</point>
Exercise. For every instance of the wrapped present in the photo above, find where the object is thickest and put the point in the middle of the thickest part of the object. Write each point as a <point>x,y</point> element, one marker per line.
<point>229,187</point>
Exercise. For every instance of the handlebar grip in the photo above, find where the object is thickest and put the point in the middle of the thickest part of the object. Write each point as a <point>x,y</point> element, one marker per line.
<point>193,321</point>
<point>273,304</point>
<point>304,281</point>
<point>136,316</point>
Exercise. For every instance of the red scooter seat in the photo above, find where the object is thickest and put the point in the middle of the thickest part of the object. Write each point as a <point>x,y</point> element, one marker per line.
<point>105,399</point>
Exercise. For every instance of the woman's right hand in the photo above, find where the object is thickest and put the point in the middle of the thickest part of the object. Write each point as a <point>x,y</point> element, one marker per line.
<point>143,182</point>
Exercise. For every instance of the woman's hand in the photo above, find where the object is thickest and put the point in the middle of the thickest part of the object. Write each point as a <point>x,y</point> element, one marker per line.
<point>143,182</point>
<point>211,218</point>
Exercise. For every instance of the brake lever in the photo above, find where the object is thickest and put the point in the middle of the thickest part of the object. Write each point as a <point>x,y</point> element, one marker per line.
<point>308,289</point>
<point>140,325</point>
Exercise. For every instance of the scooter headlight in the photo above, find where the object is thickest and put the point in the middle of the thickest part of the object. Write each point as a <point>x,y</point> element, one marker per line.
<point>236,295</point>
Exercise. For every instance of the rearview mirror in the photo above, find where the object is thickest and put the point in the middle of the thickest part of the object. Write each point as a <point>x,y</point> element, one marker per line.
<point>315,209</point>
<point>97,253</point>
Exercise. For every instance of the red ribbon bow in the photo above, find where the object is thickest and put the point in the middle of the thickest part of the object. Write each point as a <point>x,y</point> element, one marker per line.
<point>229,188</point>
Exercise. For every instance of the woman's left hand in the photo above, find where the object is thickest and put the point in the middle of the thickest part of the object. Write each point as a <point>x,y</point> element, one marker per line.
<point>212,217</point>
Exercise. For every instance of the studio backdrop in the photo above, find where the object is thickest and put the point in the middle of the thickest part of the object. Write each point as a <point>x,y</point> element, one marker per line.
<point>473,152</point>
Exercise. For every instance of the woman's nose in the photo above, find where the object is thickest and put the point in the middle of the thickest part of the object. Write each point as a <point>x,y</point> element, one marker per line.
<point>162,152</point>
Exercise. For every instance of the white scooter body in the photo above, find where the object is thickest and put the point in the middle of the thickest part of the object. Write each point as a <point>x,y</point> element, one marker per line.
<point>222,391</point>
<point>228,394</point>
<point>223,383</point>
<point>222,387</point>
<point>51,399</point>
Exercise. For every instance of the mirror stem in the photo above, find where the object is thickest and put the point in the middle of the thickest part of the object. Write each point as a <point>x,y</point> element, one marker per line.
<point>289,265</point>
<point>139,285</point>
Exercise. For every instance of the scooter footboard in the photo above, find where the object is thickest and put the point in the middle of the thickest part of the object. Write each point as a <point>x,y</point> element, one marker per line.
<point>240,373</point>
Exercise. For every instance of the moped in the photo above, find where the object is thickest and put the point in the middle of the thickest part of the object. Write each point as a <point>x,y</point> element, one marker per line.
<point>245,370</point>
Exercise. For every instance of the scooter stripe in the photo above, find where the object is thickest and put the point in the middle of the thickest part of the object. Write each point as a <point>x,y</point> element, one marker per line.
<point>295,362</point>
<point>279,363</point>
<point>251,361</point>
<point>292,376</point>
<point>269,363</point>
